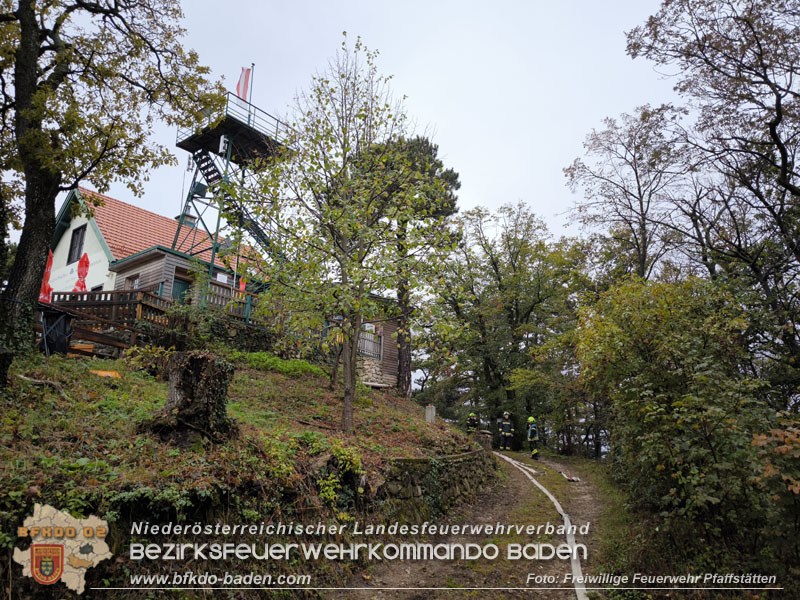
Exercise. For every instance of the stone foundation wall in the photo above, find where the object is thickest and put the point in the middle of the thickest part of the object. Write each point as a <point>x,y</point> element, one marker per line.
<point>371,371</point>
<point>417,489</point>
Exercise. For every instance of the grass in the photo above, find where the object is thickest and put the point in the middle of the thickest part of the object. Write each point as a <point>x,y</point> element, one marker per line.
<point>264,361</point>
<point>623,538</point>
<point>538,511</point>
<point>80,432</point>
<point>611,532</point>
<point>73,443</point>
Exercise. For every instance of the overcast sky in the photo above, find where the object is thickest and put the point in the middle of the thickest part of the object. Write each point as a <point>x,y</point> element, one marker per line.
<point>508,90</point>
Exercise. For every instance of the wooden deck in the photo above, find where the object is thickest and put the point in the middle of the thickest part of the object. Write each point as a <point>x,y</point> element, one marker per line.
<point>93,336</point>
<point>116,308</point>
<point>127,307</point>
<point>105,323</point>
<point>109,322</point>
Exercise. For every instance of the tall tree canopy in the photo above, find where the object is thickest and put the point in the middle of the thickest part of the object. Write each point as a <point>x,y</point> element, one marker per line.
<point>497,297</point>
<point>701,377</point>
<point>632,166</point>
<point>427,217</point>
<point>336,197</point>
<point>737,64</point>
<point>82,84</point>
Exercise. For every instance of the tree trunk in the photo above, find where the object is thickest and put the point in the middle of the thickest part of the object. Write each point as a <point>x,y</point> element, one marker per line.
<point>42,184</point>
<point>6,356</point>
<point>350,370</point>
<point>643,250</point>
<point>197,396</point>
<point>598,450</point>
<point>404,339</point>
<point>404,323</point>
<point>18,302</point>
<point>5,202</point>
<point>335,370</point>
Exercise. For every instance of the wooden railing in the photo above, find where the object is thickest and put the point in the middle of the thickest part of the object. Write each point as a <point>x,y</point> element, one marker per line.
<point>239,305</point>
<point>125,307</point>
<point>369,344</point>
<point>111,320</point>
<point>94,331</point>
<point>122,307</point>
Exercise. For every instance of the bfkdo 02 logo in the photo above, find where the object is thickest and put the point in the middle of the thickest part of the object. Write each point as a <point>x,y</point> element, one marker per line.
<point>62,547</point>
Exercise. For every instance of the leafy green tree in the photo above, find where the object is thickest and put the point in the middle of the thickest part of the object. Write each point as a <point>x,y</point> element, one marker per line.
<point>335,198</point>
<point>739,62</point>
<point>669,358</point>
<point>428,215</point>
<point>549,381</point>
<point>82,82</point>
<point>496,298</point>
<point>737,65</point>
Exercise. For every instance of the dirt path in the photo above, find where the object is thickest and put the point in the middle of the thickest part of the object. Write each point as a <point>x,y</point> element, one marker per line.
<point>513,500</point>
<point>582,503</point>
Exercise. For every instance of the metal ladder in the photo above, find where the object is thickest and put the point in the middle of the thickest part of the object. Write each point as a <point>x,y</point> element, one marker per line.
<point>211,173</point>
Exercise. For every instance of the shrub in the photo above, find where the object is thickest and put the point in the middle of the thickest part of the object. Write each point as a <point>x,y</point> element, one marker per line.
<point>152,359</point>
<point>264,361</point>
<point>669,357</point>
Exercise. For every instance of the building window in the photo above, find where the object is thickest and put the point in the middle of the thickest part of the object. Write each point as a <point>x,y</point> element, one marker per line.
<point>76,244</point>
<point>97,288</point>
<point>132,282</point>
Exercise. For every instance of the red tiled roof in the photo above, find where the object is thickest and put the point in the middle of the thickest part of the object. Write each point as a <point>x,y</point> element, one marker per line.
<point>129,229</point>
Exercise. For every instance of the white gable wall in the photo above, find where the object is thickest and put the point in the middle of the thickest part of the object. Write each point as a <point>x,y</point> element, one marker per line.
<point>63,277</point>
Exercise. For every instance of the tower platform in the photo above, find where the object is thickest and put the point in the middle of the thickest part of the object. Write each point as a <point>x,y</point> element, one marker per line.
<point>253,132</point>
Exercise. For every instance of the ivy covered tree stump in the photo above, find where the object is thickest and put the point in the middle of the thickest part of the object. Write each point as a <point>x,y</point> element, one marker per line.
<point>197,398</point>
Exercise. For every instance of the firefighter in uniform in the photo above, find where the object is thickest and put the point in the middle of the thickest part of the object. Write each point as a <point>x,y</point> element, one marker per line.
<point>533,438</point>
<point>472,423</point>
<point>506,432</point>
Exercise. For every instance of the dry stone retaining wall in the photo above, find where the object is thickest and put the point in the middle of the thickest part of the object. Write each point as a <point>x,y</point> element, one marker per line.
<point>417,489</point>
<point>370,370</point>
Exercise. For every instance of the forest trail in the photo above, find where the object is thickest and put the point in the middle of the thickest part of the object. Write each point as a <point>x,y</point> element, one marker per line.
<point>513,500</point>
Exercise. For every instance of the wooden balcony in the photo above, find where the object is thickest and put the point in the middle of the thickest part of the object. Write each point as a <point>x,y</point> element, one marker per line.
<point>105,323</point>
<point>118,307</point>
<point>126,307</point>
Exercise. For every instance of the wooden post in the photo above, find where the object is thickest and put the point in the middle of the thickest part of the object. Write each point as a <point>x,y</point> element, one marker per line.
<point>139,306</point>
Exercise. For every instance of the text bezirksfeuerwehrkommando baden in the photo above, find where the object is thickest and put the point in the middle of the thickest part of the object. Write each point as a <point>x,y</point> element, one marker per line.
<point>376,551</point>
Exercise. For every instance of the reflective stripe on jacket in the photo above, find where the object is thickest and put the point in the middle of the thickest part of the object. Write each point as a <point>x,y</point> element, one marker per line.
<point>506,427</point>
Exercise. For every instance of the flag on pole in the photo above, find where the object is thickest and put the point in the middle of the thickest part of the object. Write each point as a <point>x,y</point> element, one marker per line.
<point>244,84</point>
